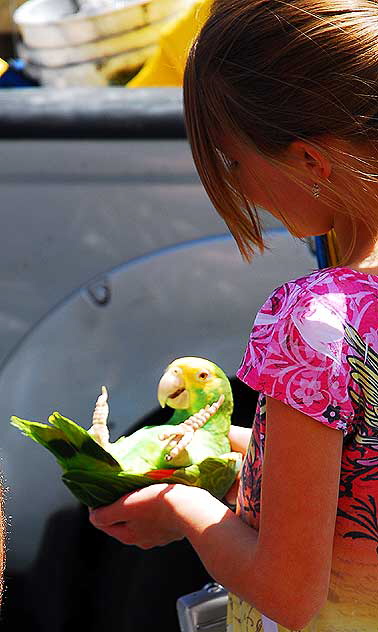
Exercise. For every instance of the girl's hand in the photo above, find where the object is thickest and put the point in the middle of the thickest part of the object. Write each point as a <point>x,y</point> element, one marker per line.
<point>239,438</point>
<point>145,518</point>
<point>232,494</point>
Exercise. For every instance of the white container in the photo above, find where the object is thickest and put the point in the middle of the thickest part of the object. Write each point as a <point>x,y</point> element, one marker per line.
<point>92,73</point>
<point>63,46</point>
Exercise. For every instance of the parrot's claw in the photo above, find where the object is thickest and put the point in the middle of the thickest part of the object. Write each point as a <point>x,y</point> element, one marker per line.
<point>179,446</point>
<point>183,433</point>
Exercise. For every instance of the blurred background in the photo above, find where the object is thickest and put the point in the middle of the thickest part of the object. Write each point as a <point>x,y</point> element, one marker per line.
<point>96,42</point>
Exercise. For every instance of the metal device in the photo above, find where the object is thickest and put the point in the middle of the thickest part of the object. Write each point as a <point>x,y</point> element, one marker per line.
<point>204,610</point>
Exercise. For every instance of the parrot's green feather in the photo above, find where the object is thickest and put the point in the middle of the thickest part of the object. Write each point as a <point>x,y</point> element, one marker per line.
<point>90,494</point>
<point>96,489</point>
<point>73,433</point>
<point>102,488</point>
<point>67,446</point>
<point>51,438</point>
<point>81,439</point>
<point>216,474</point>
<point>98,476</point>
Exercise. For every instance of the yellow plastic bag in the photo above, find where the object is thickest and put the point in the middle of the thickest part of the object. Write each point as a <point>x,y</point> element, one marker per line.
<point>3,66</point>
<point>166,66</point>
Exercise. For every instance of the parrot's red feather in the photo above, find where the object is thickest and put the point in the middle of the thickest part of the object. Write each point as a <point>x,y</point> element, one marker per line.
<point>158,474</point>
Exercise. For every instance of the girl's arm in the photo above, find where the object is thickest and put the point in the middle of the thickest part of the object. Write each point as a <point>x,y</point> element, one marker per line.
<point>239,438</point>
<point>284,569</point>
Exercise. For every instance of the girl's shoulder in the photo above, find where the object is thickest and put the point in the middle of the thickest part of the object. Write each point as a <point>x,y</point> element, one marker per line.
<point>338,278</point>
<point>339,290</point>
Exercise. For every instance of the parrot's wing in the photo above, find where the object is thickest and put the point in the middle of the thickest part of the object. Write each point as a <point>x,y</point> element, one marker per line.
<point>51,438</point>
<point>83,441</point>
<point>72,446</point>
<point>95,489</point>
<point>216,474</point>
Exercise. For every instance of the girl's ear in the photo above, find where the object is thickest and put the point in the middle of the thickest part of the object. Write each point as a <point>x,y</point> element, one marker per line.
<point>312,161</point>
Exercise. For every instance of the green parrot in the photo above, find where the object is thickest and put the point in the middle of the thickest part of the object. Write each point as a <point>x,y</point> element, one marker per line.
<point>192,448</point>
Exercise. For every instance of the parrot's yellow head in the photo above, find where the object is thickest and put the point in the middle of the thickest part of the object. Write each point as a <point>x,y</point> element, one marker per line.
<point>192,383</point>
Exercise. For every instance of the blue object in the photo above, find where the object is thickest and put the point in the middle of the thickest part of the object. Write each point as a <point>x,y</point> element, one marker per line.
<point>321,249</point>
<point>15,76</point>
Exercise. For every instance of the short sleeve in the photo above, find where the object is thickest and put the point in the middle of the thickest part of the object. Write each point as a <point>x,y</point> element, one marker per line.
<point>297,354</point>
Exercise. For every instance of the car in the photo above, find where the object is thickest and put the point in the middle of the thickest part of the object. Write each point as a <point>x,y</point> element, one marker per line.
<point>113,264</point>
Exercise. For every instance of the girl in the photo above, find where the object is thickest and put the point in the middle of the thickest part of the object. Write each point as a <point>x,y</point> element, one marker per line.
<point>281,102</point>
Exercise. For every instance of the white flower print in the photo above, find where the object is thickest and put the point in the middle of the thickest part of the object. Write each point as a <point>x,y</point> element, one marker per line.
<point>308,391</point>
<point>372,338</point>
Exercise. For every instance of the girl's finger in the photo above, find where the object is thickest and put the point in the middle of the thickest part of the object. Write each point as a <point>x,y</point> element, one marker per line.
<point>125,534</point>
<point>111,514</point>
<point>128,507</point>
<point>121,532</point>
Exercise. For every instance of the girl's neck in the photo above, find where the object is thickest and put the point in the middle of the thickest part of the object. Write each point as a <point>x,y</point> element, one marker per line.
<point>364,257</point>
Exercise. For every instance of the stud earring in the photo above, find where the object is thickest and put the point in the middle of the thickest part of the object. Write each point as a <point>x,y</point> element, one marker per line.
<point>315,190</point>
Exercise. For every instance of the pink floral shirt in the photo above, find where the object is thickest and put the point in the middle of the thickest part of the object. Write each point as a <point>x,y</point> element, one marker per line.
<point>314,346</point>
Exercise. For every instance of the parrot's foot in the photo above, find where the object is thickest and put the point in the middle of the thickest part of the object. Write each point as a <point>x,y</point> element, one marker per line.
<point>184,433</point>
<point>99,430</point>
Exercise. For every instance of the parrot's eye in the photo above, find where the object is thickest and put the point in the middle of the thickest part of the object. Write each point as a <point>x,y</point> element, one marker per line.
<point>203,375</point>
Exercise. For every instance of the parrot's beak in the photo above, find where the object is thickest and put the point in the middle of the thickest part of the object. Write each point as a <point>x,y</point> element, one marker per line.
<point>172,391</point>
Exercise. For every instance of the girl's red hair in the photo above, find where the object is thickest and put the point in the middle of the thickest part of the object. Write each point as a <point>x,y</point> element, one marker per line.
<point>267,72</point>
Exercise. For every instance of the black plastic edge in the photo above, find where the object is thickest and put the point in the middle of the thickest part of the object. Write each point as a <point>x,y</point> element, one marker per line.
<point>91,113</point>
